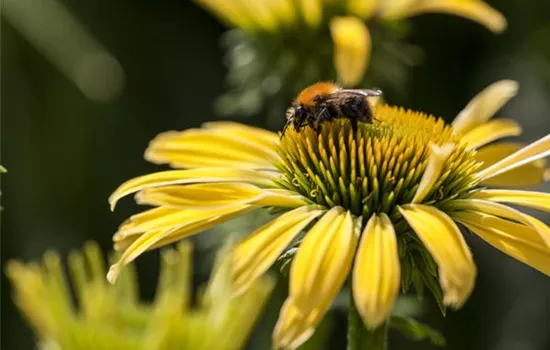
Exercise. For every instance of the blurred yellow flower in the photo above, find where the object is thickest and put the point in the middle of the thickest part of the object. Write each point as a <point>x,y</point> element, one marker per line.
<point>380,205</point>
<point>111,316</point>
<point>346,19</point>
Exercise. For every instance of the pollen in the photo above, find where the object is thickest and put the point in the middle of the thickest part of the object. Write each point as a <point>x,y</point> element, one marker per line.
<point>378,167</point>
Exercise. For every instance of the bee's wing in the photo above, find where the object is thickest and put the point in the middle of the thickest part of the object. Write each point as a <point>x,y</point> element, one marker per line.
<point>339,94</point>
<point>363,92</point>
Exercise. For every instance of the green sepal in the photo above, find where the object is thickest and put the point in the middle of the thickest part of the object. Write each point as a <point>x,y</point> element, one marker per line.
<point>433,285</point>
<point>416,331</point>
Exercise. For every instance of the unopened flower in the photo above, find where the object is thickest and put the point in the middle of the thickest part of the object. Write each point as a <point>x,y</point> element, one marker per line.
<point>112,317</point>
<point>380,205</point>
<point>279,46</point>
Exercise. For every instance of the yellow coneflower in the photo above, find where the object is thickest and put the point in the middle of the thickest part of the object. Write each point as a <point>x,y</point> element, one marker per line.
<point>364,204</point>
<point>347,21</point>
<point>112,317</point>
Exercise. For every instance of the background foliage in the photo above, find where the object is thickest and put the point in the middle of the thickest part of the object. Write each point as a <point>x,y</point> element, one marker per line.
<point>65,153</point>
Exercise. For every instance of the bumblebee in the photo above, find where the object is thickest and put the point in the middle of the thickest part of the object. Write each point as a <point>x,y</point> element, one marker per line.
<point>324,101</point>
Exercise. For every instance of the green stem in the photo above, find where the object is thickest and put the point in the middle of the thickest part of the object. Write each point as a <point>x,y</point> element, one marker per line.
<point>362,338</point>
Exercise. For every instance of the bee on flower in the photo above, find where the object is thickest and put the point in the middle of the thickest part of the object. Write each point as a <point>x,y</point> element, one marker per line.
<point>276,47</point>
<point>382,205</point>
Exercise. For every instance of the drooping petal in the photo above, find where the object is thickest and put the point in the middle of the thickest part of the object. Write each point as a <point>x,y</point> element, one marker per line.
<point>530,199</point>
<point>215,195</point>
<point>280,198</point>
<point>530,174</point>
<point>535,151</point>
<point>376,272</point>
<point>433,170</point>
<point>264,137</point>
<point>519,241</point>
<point>485,104</point>
<point>323,260</point>
<point>134,224</point>
<point>492,208</point>
<point>199,175</point>
<point>293,328</point>
<point>442,238</point>
<point>210,147</point>
<point>258,252</point>
<point>199,196</point>
<point>352,47</point>
<point>161,218</point>
<point>474,10</point>
<point>191,222</point>
<point>491,131</point>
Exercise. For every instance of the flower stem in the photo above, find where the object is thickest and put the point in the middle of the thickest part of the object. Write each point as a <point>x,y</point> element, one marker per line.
<point>362,338</point>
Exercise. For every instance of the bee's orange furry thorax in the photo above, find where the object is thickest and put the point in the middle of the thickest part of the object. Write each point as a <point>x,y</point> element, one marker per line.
<point>307,95</point>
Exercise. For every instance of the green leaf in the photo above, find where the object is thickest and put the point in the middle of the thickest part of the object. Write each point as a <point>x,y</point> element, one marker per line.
<point>416,331</point>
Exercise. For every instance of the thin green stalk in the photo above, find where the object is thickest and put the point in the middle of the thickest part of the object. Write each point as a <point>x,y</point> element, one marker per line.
<point>360,337</point>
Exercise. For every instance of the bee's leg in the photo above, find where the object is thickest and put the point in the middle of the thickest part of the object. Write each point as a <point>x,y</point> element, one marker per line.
<point>353,122</point>
<point>318,118</point>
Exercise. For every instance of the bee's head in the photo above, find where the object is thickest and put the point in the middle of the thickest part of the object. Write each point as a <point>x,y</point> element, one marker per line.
<point>299,114</point>
<point>296,115</point>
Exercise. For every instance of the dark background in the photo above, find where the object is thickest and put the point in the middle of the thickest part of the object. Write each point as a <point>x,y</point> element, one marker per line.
<point>66,153</point>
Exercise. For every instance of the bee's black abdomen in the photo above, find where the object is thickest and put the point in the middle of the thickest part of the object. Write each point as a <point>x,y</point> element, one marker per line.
<point>356,109</point>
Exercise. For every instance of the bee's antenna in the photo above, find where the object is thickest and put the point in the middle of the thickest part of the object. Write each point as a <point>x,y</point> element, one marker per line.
<point>284,129</point>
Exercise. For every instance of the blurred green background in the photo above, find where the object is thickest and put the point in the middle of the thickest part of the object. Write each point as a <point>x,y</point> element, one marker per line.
<point>65,152</point>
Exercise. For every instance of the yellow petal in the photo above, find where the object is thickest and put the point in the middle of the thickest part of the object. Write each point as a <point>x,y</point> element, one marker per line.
<point>280,198</point>
<point>352,47</point>
<point>180,177</point>
<point>363,9</point>
<point>491,131</point>
<point>474,10</point>
<point>492,208</point>
<point>535,151</point>
<point>187,231</point>
<point>530,199</point>
<point>199,196</point>
<point>209,147</point>
<point>519,241</point>
<point>258,252</point>
<point>260,136</point>
<point>531,174</point>
<point>230,12</point>
<point>442,238</point>
<point>156,237</point>
<point>293,328</point>
<point>284,10</point>
<point>433,170</point>
<point>312,11</point>
<point>323,260</point>
<point>133,223</point>
<point>395,9</point>
<point>261,11</point>
<point>157,219</point>
<point>376,273</point>
<point>485,104</point>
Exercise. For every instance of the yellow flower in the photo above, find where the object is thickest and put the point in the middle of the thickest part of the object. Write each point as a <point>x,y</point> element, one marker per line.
<point>346,19</point>
<point>111,316</point>
<point>370,203</point>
